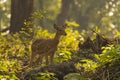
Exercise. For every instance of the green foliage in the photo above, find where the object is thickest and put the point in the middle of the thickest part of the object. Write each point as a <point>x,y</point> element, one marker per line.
<point>89,65</point>
<point>41,33</point>
<point>14,49</point>
<point>43,76</point>
<point>71,40</point>
<point>46,76</point>
<point>72,24</point>
<point>13,45</point>
<point>75,76</point>
<point>8,68</point>
<point>117,32</point>
<point>62,55</point>
<point>109,54</point>
<point>40,14</point>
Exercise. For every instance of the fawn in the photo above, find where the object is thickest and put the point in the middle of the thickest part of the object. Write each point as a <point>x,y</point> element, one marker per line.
<point>47,47</point>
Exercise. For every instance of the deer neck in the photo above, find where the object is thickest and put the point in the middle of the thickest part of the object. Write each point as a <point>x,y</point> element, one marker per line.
<point>57,38</point>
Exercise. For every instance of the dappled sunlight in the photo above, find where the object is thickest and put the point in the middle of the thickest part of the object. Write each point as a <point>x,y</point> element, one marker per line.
<point>32,45</point>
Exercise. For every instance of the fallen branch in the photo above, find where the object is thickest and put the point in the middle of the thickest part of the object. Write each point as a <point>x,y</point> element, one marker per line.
<point>59,69</point>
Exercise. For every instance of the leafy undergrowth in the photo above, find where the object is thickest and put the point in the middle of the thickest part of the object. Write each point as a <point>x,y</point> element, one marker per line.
<point>106,65</point>
<point>15,55</point>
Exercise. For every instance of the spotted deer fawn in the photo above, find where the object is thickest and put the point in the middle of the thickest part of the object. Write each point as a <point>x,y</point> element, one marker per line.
<point>46,47</point>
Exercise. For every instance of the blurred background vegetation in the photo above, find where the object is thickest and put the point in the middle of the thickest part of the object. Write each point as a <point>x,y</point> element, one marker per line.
<point>89,14</point>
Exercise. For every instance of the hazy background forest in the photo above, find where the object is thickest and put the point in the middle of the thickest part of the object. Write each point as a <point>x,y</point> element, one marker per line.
<point>92,38</point>
<point>88,14</point>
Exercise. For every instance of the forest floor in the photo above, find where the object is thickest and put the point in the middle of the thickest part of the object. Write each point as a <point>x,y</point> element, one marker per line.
<point>107,71</point>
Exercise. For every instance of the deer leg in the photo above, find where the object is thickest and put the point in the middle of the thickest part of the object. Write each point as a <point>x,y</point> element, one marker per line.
<point>46,57</point>
<point>39,60</point>
<point>51,58</point>
<point>31,59</point>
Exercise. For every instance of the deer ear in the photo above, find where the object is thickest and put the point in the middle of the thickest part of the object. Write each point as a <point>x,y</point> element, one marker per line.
<point>55,26</point>
<point>65,25</point>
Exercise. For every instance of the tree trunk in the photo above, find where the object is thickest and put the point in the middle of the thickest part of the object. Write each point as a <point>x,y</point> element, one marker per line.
<point>21,10</point>
<point>64,11</point>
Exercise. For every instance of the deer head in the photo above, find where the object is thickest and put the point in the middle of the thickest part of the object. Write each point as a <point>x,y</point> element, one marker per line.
<point>60,29</point>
